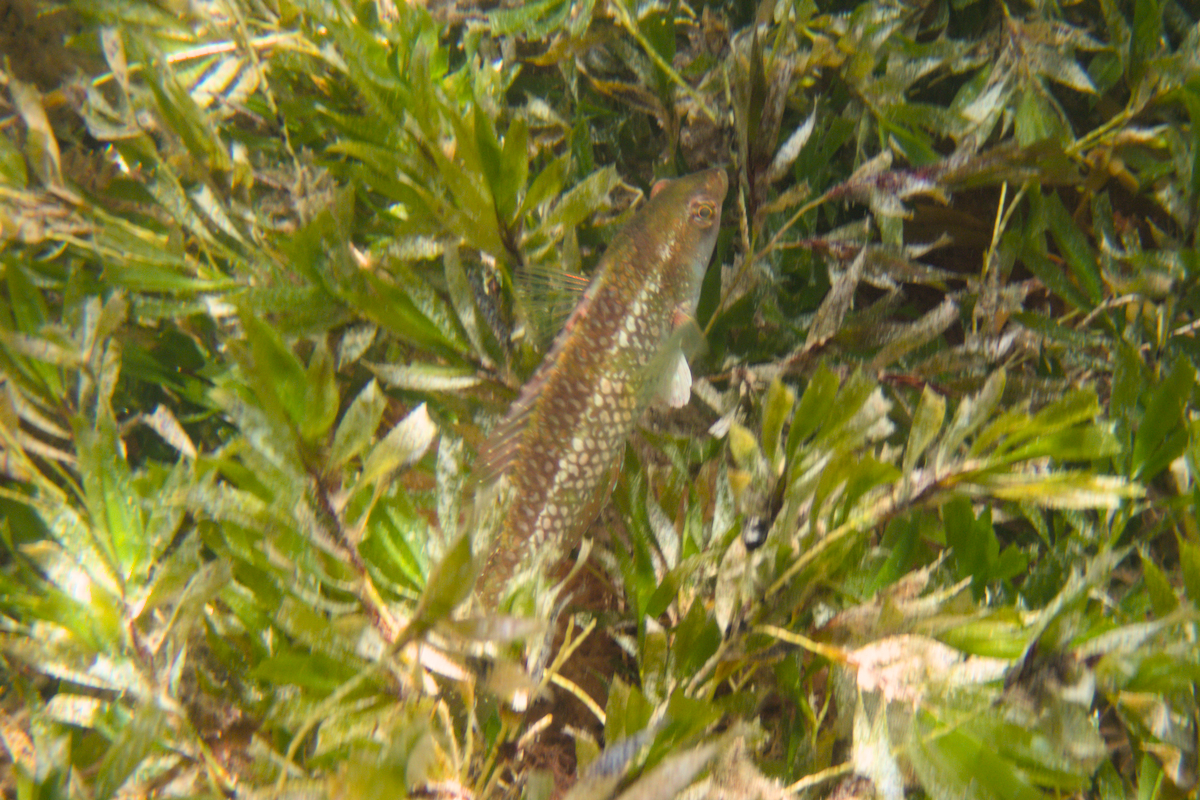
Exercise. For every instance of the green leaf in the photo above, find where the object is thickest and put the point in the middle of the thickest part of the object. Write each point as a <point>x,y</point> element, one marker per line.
<point>869,473</point>
<point>659,29</point>
<point>1032,247</point>
<point>305,669</point>
<point>358,425</point>
<point>814,406</point>
<point>1015,436</point>
<point>1191,101</point>
<point>695,640</point>
<point>743,446</point>
<point>1150,776</point>
<point>450,582</point>
<point>851,416</point>
<point>1161,437</point>
<point>1012,563</point>
<point>534,20</point>
<point>29,308</point>
<point>12,164</point>
<point>753,91</point>
<point>490,157</point>
<point>1108,783</point>
<point>547,184</point>
<point>112,501</point>
<point>1189,565</point>
<point>958,766</point>
<point>899,541</point>
<point>1146,40</point>
<point>998,636</point>
<point>776,408</point>
<point>393,308</point>
<point>972,412</point>
<point>976,549</point>
<point>30,313</point>
<point>1036,119</point>
<point>146,733</point>
<point>1074,248</point>
<point>514,169</point>
<point>278,377</point>
<point>662,597</point>
<point>1162,596</point>
<point>1076,444</point>
<point>321,399</point>
<point>926,424</point>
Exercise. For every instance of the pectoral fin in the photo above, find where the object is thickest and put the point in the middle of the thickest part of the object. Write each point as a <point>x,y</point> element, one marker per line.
<point>678,387</point>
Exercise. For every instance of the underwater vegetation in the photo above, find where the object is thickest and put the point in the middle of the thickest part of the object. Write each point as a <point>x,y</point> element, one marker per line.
<point>896,480</point>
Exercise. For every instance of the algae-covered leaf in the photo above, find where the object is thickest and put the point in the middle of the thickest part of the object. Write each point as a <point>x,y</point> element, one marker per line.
<point>951,346</point>
<point>581,201</point>
<point>41,144</point>
<point>426,377</point>
<point>672,775</point>
<point>141,737</point>
<point>358,425</point>
<point>972,413</point>
<point>404,444</point>
<point>1062,490</point>
<point>926,424</point>
<point>872,752</point>
<point>165,424</point>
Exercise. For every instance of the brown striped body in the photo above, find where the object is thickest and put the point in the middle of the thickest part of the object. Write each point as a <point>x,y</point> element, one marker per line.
<point>562,441</point>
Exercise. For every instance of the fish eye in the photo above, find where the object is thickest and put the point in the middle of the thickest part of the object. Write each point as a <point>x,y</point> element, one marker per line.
<point>703,214</point>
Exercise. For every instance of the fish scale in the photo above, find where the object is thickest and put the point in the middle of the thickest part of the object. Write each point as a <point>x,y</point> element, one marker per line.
<point>561,442</point>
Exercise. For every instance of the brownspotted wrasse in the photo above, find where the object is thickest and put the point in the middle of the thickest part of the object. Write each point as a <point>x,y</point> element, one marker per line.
<point>561,443</point>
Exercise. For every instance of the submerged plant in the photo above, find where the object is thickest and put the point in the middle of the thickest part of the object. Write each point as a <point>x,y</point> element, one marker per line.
<point>272,274</point>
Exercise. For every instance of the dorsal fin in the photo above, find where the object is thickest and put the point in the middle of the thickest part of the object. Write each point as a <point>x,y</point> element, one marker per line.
<point>658,186</point>
<point>500,450</point>
<point>549,296</point>
<point>548,290</point>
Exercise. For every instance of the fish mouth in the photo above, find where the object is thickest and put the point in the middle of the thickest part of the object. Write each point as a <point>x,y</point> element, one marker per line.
<point>717,182</point>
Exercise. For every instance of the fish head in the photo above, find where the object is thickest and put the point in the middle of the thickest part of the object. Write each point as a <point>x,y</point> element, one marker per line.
<point>686,213</point>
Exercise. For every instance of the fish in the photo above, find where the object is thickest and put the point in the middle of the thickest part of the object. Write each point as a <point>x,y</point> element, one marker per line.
<point>561,443</point>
